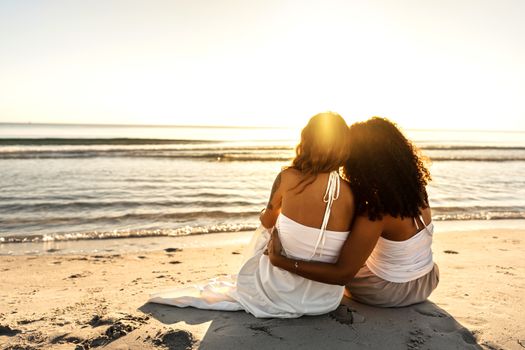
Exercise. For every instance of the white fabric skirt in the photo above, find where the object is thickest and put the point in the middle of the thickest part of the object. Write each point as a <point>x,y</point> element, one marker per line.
<point>259,288</point>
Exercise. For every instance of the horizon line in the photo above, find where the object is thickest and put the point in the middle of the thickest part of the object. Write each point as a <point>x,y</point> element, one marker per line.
<point>156,125</point>
<point>234,126</point>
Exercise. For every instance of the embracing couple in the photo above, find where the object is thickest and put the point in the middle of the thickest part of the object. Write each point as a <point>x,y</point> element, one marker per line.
<point>365,231</point>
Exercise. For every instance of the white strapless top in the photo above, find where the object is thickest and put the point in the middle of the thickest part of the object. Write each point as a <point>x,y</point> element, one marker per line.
<point>403,261</point>
<point>299,241</point>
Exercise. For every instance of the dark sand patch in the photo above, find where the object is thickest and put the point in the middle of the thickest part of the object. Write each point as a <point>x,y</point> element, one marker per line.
<point>450,252</point>
<point>174,339</point>
<point>172,250</point>
<point>8,331</point>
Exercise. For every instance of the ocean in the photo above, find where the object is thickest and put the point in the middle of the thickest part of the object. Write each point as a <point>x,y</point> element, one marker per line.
<point>89,182</point>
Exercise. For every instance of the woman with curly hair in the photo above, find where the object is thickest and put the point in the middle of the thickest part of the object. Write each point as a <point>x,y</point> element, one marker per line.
<point>387,259</point>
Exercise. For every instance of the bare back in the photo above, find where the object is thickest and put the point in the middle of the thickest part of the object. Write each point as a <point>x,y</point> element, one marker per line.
<point>307,206</point>
<point>397,229</point>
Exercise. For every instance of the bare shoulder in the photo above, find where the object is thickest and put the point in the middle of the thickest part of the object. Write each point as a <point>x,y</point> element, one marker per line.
<point>427,215</point>
<point>345,186</point>
<point>346,192</point>
<point>291,172</point>
<point>290,177</point>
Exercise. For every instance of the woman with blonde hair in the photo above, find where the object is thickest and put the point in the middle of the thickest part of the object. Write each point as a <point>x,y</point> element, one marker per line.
<point>312,208</point>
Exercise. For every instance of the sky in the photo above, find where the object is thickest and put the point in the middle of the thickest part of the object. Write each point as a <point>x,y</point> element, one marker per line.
<point>447,64</point>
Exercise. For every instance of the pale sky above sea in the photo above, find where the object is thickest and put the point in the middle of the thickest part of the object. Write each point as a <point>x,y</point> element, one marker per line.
<point>448,64</point>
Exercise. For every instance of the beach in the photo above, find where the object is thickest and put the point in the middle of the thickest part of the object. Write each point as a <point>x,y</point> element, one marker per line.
<point>95,218</point>
<point>96,300</point>
<point>142,144</point>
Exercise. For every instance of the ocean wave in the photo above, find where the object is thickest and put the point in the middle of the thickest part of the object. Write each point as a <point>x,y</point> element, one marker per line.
<point>17,206</point>
<point>182,231</point>
<point>233,155</point>
<point>477,213</point>
<point>222,215</point>
<point>215,156</point>
<point>479,216</point>
<point>242,211</point>
<point>248,222</point>
<point>216,151</point>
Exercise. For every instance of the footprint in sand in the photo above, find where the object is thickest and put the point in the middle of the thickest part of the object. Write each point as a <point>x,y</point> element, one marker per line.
<point>444,323</point>
<point>264,329</point>
<point>78,259</point>
<point>174,339</point>
<point>66,338</point>
<point>417,338</point>
<point>506,273</point>
<point>467,336</point>
<point>79,275</point>
<point>117,328</point>
<point>98,320</point>
<point>346,315</point>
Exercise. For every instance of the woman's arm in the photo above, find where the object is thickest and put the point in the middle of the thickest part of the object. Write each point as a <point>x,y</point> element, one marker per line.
<point>356,249</point>
<point>269,215</point>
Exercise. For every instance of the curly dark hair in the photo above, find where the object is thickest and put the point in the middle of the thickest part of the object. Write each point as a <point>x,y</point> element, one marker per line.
<point>387,174</point>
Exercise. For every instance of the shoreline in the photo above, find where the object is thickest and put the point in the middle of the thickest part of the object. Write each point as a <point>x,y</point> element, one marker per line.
<point>124,245</point>
<point>85,301</point>
<point>156,243</point>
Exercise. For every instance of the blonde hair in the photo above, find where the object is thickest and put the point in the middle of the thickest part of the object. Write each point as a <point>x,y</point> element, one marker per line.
<point>323,146</point>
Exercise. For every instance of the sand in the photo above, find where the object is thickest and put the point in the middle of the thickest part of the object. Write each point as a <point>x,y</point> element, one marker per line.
<point>99,301</point>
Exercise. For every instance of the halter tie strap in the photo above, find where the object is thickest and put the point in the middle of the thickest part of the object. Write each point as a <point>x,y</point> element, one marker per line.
<point>331,194</point>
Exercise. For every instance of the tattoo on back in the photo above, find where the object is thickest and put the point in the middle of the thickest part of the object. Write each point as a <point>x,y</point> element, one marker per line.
<point>275,186</point>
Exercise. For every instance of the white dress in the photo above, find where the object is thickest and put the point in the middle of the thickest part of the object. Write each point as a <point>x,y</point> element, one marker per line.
<point>268,291</point>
